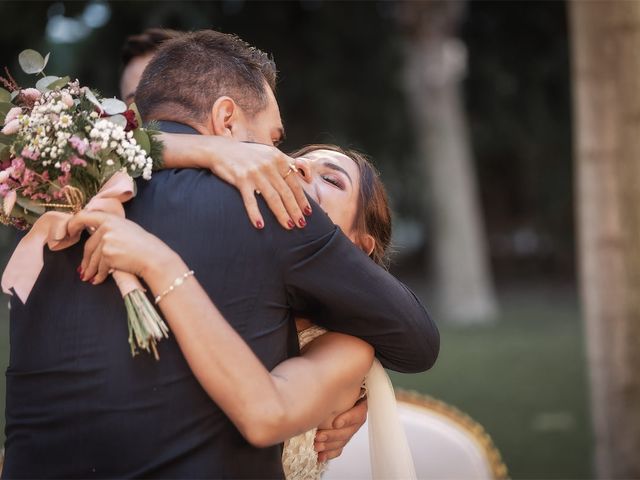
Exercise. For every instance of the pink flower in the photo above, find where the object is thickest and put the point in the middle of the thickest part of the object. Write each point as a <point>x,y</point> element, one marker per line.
<point>5,174</point>
<point>4,189</point>
<point>18,165</point>
<point>27,177</point>
<point>63,180</point>
<point>79,144</point>
<point>9,202</point>
<point>65,167</point>
<point>30,153</point>
<point>31,94</point>
<point>12,127</point>
<point>41,196</point>
<point>66,99</point>
<point>12,114</point>
<point>77,161</point>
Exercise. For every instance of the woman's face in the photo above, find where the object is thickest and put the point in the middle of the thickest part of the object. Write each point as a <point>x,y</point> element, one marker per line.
<point>333,180</point>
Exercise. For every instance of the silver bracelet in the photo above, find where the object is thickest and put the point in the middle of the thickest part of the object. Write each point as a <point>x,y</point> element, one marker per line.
<point>176,283</point>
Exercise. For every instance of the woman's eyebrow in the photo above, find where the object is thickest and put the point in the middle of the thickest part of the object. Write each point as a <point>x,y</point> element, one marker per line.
<point>333,166</point>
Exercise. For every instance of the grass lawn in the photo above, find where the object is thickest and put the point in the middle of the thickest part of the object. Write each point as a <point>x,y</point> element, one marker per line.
<point>524,380</point>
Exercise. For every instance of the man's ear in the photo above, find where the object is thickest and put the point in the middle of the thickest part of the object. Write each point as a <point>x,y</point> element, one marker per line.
<point>224,114</point>
<point>367,243</point>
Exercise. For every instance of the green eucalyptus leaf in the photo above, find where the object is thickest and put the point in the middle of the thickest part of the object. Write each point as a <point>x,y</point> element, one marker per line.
<point>46,60</point>
<point>6,139</point>
<point>113,106</point>
<point>5,107</point>
<point>5,96</point>
<point>31,61</point>
<point>108,171</point>
<point>30,205</point>
<point>143,139</point>
<point>135,110</point>
<point>88,94</point>
<point>43,83</point>
<point>19,212</point>
<point>14,94</point>
<point>61,82</point>
<point>16,212</point>
<point>118,120</point>
<point>5,153</point>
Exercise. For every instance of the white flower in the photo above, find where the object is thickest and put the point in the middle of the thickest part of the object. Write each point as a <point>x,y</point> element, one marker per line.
<point>93,115</point>
<point>118,134</point>
<point>65,120</point>
<point>110,162</point>
<point>57,165</point>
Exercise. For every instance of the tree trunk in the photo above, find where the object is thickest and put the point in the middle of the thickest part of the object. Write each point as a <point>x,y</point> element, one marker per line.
<point>606,76</point>
<point>435,68</point>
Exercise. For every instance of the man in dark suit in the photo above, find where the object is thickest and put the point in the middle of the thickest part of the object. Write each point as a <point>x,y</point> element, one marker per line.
<point>78,406</point>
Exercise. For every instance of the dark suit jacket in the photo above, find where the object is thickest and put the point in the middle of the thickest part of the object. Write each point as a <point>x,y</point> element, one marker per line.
<point>78,405</point>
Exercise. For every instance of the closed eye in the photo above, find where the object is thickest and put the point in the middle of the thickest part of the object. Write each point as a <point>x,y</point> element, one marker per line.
<point>332,179</point>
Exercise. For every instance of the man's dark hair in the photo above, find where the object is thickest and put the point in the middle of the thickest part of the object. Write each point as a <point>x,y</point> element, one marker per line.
<point>189,73</point>
<point>146,42</point>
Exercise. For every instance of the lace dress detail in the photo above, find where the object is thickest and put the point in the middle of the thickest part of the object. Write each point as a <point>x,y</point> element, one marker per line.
<point>299,459</point>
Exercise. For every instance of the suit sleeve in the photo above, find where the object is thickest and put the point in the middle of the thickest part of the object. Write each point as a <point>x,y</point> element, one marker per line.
<point>332,282</point>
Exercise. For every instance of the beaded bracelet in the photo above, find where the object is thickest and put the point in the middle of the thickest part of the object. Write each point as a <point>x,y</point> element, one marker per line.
<point>176,283</point>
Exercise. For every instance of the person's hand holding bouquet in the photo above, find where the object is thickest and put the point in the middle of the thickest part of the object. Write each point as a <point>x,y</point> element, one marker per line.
<point>64,149</point>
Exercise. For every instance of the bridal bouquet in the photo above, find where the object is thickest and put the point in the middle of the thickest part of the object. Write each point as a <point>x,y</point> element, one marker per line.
<point>64,148</point>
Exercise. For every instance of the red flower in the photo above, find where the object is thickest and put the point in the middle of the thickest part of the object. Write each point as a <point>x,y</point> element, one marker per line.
<point>132,123</point>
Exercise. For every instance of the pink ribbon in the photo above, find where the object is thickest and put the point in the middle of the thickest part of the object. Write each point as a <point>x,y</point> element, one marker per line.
<point>50,229</point>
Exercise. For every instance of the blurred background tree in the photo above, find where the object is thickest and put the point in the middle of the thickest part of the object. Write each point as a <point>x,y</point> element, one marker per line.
<point>435,67</point>
<point>606,69</point>
<point>343,79</point>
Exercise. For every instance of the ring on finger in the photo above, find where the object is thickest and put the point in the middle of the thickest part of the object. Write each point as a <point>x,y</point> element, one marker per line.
<point>258,192</point>
<point>292,169</point>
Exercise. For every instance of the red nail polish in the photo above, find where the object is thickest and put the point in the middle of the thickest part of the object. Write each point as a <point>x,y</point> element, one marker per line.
<point>291,224</point>
<point>302,222</point>
<point>259,224</point>
<point>307,211</point>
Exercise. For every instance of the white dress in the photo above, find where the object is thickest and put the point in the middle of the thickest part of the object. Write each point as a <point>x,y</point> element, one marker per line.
<point>299,459</point>
<point>389,449</point>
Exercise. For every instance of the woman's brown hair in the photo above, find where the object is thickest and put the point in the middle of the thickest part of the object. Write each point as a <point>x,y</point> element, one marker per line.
<point>373,215</point>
